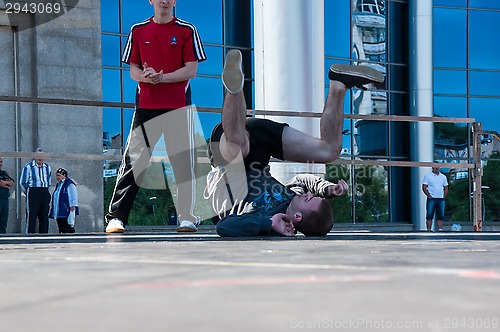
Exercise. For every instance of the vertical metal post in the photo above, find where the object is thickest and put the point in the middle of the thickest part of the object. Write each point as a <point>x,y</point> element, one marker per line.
<point>477,174</point>
<point>17,126</point>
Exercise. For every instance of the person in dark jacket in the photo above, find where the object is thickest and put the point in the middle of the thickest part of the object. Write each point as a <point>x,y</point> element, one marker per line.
<point>5,183</point>
<point>249,201</point>
<point>64,204</point>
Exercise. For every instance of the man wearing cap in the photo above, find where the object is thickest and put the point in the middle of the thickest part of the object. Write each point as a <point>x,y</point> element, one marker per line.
<point>34,183</point>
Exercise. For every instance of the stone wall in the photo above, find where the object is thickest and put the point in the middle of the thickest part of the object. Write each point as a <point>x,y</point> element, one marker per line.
<point>57,59</point>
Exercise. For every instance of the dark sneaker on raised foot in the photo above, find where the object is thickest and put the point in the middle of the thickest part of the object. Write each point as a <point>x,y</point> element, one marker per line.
<point>352,75</point>
<point>115,225</point>
<point>232,74</point>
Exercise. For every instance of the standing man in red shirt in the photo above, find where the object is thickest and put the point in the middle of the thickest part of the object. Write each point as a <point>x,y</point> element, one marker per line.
<point>163,53</point>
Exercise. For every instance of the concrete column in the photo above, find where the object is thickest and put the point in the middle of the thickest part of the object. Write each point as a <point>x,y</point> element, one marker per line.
<point>289,66</point>
<point>421,96</point>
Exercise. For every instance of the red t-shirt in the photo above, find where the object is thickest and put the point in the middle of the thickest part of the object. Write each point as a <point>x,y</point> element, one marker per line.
<point>164,47</point>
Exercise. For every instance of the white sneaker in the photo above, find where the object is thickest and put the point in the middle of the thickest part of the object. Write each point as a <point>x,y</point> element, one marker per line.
<point>232,74</point>
<point>186,226</point>
<point>115,225</point>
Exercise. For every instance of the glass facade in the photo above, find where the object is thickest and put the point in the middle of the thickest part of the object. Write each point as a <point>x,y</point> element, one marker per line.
<point>371,32</point>
<point>465,72</point>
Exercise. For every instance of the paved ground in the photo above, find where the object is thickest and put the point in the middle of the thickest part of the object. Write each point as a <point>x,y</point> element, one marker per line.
<point>347,281</point>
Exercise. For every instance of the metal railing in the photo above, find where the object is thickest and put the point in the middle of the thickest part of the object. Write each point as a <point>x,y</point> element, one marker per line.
<point>475,166</point>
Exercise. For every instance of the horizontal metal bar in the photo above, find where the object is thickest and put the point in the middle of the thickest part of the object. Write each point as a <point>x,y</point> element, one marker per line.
<point>402,163</point>
<point>398,118</point>
<point>69,102</point>
<point>61,156</point>
<point>205,160</point>
<point>394,163</point>
<point>371,117</point>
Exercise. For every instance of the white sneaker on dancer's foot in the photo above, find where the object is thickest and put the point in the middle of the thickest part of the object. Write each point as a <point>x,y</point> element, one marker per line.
<point>352,75</point>
<point>186,226</point>
<point>232,74</point>
<point>115,225</point>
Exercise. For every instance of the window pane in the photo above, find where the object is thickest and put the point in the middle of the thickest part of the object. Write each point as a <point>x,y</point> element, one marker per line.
<point>486,111</point>
<point>124,42</point>
<point>398,78</point>
<point>451,3</point>
<point>400,103</point>
<point>133,12</point>
<point>341,205</point>
<point>369,31</point>
<point>484,4</point>
<point>337,28</point>
<point>399,144</point>
<point>207,18</point>
<point>111,50</point>
<point>457,207</point>
<point>127,123</point>
<point>398,33</point>
<point>369,102</point>
<point>451,107</point>
<point>207,92</point>
<point>450,139</point>
<point>347,135</point>
<point>399,141</point>
<point>129,87</point>
<point>109,16</point>
<point>450,38</point>
<point>370,138</point>
<point>111,125</point>
<point>111,85</point>
<point>252,55</point>
<point>208,122</point>
<point>446,151</point>
<point>348,128</point>
<point>252,20</point>
<point>370,194</point>
<point>450,82</point>
<point>484,45</point>
<point>484,83</point>
<point>213,64</point>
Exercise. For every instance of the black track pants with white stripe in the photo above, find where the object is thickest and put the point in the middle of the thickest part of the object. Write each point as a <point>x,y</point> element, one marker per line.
<point>148,126</point>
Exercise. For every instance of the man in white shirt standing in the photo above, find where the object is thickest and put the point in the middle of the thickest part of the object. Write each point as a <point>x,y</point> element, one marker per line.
<point>435,187</point>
